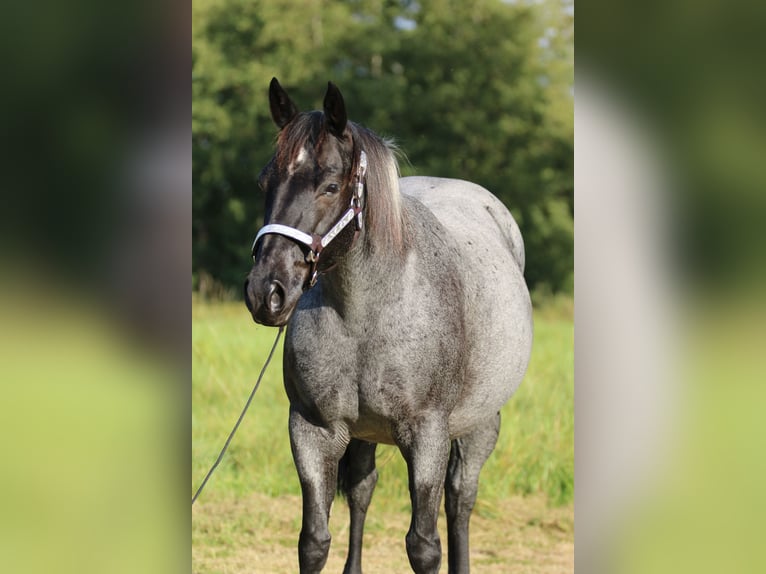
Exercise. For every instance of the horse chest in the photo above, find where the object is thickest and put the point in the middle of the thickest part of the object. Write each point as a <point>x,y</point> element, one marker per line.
<point>369,384</point>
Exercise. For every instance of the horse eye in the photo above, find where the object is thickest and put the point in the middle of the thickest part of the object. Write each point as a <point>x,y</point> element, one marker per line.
<point>332,189</point>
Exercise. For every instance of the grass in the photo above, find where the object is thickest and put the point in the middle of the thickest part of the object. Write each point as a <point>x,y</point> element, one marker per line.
<point>535,451</point>
<point>248,517</point>
<point>258,534</point>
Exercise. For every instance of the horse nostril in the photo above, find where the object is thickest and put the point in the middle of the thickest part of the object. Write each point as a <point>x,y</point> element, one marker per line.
<point>275,299</point>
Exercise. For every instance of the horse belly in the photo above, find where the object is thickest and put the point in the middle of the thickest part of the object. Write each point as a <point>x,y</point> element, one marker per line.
<point>501,343</point>
<point>498,318</point>
<point>372,428</point>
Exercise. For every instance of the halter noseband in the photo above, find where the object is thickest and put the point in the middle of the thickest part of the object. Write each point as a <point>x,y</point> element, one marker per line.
<point>316,243</point>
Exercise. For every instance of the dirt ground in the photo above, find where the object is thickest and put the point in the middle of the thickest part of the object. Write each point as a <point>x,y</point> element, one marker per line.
<point>259,535</point>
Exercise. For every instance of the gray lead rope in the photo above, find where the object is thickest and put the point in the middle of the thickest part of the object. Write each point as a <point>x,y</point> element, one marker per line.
<point>241,416</point>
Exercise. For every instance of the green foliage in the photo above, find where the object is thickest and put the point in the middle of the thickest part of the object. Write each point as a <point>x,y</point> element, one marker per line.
<point>480,91</point>
<point>535,450</point>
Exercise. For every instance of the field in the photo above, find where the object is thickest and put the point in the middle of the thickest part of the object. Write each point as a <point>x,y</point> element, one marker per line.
<point>248,517</point>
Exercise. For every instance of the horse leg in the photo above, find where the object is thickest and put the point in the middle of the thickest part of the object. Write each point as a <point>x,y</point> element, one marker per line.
<point>425,447</point>
<point>357,478</point>
<point>467,456</point>
<point>316,451</point>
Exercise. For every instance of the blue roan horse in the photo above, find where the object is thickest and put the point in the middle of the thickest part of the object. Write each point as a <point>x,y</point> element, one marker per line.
<point>408,323</point>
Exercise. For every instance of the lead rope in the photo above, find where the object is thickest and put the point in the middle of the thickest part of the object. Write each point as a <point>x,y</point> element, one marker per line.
<point>241,416</point>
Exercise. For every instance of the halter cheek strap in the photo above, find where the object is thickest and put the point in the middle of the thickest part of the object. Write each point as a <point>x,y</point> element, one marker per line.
<point>317,243</point>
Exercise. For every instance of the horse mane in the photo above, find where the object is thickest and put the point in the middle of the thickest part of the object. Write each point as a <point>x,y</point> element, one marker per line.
<point>384,216</point>
<point>383,213</point>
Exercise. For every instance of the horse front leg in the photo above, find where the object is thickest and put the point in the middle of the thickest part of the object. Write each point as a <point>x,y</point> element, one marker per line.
<point>425,446</point>
<point>316,451</point>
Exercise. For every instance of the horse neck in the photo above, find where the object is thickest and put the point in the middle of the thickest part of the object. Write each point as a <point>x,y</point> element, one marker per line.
<point>367,275</point>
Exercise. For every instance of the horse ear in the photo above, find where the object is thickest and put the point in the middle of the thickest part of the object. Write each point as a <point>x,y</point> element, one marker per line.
<point>335,110</point>
<point>283,109</point>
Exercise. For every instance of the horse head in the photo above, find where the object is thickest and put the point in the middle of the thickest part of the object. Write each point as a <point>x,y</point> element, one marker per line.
<point>310,190</point>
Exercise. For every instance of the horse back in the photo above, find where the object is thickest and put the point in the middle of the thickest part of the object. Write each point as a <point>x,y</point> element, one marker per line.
<point>469,212</point>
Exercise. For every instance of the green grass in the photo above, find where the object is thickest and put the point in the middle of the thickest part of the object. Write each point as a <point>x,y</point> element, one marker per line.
<point>535,451</point>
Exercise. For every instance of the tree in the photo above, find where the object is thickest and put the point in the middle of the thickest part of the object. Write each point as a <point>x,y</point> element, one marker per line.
<point>479,91</point>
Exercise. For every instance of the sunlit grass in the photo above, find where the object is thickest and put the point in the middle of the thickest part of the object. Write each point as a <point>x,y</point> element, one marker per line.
<point>535,451</point>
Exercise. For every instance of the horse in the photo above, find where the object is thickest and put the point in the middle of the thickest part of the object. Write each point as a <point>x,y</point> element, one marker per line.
<point>408,319</point>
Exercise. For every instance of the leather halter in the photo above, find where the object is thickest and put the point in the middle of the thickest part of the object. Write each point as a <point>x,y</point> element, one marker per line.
<point>315,242</point>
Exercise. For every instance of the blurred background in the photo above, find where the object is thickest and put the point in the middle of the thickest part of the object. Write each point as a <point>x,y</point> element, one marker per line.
<point>95,212</point>
<point>670,188</point>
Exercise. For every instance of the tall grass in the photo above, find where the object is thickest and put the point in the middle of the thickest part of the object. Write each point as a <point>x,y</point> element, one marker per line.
<point>535,451</point>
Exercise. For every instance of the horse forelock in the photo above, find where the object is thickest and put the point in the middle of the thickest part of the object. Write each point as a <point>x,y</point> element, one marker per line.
<point>384,216</point>
<point>300,134</point>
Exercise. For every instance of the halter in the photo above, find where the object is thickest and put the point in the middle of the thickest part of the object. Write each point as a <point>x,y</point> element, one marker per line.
<point>315,242</point>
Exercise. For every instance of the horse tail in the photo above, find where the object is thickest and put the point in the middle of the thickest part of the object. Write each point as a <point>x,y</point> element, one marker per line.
<point>356,469</point>
<point>512,234</point>
<point>509,229</point>
<point>344,473</point>
<point>517,244</point>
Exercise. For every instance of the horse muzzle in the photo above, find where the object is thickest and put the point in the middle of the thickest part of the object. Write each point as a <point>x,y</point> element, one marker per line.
<point>273,288</point>
<point>269,302</point>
